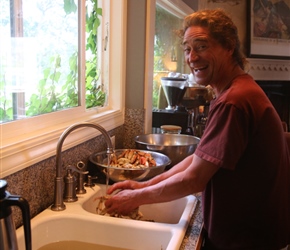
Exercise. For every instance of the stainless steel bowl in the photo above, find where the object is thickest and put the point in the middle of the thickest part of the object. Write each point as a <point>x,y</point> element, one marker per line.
<point>120,174</point>
<point>175,146</point>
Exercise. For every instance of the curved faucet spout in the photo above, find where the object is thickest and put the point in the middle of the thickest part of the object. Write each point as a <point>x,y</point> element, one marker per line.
<point>58,204</point>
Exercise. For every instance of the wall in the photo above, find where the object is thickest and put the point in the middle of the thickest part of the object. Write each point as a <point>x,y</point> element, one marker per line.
<point>135,71</point>
<point>236,11</point>
<point>135,65</point>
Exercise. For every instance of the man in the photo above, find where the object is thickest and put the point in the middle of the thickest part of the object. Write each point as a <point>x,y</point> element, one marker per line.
<point>241,164</point>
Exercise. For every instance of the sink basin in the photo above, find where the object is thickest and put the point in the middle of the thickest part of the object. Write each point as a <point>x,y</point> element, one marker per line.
<point>167,212</point>
<point>91,230</point>
<point>78,224</point>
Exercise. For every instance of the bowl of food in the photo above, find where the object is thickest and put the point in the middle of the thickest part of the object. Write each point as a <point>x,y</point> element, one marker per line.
<point>130,164</point>
<point>175,146</point>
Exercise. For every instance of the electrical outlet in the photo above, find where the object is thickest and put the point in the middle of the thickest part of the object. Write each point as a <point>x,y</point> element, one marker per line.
<point>113,140</point>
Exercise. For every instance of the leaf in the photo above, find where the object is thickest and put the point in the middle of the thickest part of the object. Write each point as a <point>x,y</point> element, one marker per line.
<point>69,6</point>
<point>46,73</point>
<point>73,62</point>
<point>2,114</point>
<point>9,114</point>
<point>57,76</point>
<point>41,84</point>
<point>99,11</point>
<point>58,61</point>
<point>95,26</point>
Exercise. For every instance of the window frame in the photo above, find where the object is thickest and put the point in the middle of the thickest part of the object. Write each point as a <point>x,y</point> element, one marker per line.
<point>31,140</point>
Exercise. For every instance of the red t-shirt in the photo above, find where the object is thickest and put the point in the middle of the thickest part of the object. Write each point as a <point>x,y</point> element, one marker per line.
<point>246,204</point>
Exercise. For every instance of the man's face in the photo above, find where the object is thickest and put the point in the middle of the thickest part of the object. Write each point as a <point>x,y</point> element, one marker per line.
<point>207,59</point>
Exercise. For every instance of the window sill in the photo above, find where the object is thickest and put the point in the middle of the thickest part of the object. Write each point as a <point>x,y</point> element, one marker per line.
<point>25,150</point>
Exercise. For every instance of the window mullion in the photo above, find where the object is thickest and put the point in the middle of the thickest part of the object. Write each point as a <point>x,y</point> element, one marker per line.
<point>82,53</point>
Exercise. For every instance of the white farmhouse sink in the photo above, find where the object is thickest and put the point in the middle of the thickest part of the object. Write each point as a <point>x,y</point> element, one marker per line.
<point>78,223</point>
<point>168,212</point>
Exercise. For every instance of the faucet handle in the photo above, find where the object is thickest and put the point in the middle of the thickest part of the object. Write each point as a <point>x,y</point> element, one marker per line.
<point>81,166</point>
<point>81,177</point>
<point>77,169</point>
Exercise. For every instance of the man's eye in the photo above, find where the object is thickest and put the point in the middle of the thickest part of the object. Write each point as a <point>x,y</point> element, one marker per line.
<point>201,47</point>
<point>187,50</point>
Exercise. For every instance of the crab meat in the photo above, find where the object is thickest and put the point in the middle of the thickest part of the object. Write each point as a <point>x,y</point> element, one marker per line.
<point>101,210</point>
<point>132,158</point>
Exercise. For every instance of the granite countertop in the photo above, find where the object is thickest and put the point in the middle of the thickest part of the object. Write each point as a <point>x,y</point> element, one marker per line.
<point>194,228</point>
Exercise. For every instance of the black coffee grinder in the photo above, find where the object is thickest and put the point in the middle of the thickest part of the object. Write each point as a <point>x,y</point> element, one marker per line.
<point>174,114</point>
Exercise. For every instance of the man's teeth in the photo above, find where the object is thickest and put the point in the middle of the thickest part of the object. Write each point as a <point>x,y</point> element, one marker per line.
<point>197,69</point>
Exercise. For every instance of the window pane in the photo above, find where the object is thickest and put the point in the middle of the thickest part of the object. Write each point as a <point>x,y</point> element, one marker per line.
<point>38,59</point>
<point>168,56</point>
<point>96,92</point>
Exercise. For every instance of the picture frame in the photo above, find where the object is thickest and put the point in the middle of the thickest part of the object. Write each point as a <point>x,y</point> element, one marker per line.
<point>268,29</point>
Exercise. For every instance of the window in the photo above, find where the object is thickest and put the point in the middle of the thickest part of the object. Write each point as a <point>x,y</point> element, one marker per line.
<point>27,141</point>
<point>39,59</point>
<point>168,55</point>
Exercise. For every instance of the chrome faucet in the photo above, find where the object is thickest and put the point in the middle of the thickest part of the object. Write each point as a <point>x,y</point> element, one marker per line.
<point>58,204</point>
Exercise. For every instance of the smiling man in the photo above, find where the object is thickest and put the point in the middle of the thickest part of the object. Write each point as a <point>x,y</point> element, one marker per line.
<point>241,164</point>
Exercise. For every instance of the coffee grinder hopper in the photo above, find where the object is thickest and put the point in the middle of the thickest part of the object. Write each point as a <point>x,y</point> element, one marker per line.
<point>174,89</point>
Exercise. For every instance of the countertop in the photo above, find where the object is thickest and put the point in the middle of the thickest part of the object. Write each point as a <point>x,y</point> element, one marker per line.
<point>191,238</point>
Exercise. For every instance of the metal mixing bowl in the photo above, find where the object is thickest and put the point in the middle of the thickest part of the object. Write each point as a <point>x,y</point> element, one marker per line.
<point>175,146</point>
<point>120,174</point>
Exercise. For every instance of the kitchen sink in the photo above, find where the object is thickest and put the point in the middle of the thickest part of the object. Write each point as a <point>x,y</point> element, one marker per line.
<point>91,230</point>
<point>167,212</point>
<point>79,224</point>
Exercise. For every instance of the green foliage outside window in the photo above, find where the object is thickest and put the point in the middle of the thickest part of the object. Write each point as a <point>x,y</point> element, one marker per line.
<point>47,98</point>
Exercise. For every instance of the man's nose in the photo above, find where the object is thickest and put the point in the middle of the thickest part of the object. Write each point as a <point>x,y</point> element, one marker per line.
<point>193,56</point>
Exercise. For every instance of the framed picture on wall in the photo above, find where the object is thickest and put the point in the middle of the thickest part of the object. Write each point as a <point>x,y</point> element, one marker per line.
<point>268,29</point>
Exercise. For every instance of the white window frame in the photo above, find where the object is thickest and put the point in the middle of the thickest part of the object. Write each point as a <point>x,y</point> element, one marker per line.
<point>28,141</point>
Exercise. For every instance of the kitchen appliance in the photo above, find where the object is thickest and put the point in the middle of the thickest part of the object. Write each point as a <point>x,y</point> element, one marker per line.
<point>196,100</point>
<point>174,89</point>
<point>8,239</point>
<point>187,106</point>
